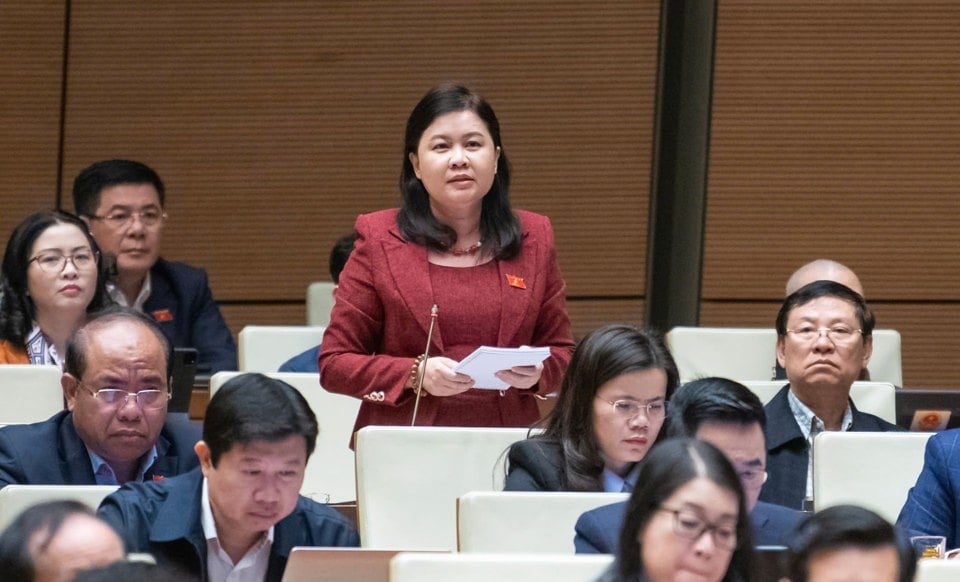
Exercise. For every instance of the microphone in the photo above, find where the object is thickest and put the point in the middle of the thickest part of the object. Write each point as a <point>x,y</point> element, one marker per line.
<point>426,356</point>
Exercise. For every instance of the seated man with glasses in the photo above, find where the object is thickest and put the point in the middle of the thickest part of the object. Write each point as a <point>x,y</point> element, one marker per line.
<point>116,428</point>
<point>729,416</point>
<point>122,202</point>
<point>824,340</point>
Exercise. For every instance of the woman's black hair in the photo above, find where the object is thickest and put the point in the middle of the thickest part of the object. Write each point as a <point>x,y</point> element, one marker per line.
<point>668,467</point>
<point>500,228</point>
<point>604,354</point>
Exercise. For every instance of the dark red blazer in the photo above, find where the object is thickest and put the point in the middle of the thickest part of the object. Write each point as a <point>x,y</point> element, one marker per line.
<point>381,317</point>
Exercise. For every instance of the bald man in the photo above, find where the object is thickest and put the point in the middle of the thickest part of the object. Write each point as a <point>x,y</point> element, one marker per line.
<point>823,270</point>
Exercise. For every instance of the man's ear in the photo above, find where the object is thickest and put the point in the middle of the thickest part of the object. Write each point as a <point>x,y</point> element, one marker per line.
<point>203,453</point>
<point>70,385</point>
<point>781,351</point>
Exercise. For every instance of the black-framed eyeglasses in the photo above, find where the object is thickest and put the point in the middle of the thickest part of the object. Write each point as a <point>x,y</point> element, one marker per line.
<point>628,409</point>
<point>691,526</point>
<point>150,398</point>
<point>840,334</point>
<point>55,262</point>
<point>120,219</point>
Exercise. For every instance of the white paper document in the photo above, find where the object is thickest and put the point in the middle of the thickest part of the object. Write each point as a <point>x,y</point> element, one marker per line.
<point>485,361</point>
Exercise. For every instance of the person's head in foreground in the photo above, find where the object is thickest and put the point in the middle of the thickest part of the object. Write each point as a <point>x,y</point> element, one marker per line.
<point>612,403</point>
<point>686,519</point>
<point>258,433</point>
<point>51,542</point>
<point>846,543</point>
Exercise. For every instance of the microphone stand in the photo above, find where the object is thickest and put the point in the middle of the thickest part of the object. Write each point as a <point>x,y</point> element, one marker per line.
<point>426,356</point>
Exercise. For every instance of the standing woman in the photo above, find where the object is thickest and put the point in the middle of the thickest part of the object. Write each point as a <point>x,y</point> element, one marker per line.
<point>686,520</point>
<point>52,276</point>
<point>454,243</point>
<point>609,413</point>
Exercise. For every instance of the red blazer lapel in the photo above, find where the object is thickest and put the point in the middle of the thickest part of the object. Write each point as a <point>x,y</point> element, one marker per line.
<point>407,264</point>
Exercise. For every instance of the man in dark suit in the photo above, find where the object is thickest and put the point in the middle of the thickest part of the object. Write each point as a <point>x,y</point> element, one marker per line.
<point>240,513</point>
<point>729,416</point>
<point>116,428</point>
<point>122,202</point>
<point>824,340</point>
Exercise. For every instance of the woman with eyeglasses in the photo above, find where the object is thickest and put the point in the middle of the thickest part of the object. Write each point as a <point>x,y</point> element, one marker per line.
<point>52,276</point>
<point>686,519</point>
<point>611,407</point>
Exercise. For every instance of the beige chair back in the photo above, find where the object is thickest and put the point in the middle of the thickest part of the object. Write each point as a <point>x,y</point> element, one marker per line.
<point>15,498</point>
<point>319,302</point>
<point>873,469</point>
<point>877,398</point>
<point>523,522</point>
<point>30,393</point>
<point>409,479</point>
<point>500,567</point>
<point>264,348</point>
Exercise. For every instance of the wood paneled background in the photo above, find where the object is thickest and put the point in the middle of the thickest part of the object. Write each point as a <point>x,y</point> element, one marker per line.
<point>834,133</point>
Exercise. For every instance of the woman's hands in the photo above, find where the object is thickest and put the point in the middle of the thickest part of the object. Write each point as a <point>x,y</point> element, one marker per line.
<point>522,377</point>
<point>439,379</point>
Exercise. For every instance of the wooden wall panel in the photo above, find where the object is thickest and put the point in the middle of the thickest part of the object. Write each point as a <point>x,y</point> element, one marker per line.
<point>31,67</point>
<point>835,133</point>
<point>275,124</point>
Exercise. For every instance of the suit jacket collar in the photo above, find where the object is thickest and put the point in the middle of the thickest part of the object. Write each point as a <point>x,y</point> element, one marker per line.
<point>409,268</point>
<point>781,425</point>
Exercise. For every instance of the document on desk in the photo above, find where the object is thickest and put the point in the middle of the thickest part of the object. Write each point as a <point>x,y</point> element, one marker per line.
<point>486,360</point>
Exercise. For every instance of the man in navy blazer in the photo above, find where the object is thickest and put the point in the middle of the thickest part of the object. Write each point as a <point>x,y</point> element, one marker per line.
<point>933,504</point>
<point>116,428</point>
<point>122,202</point>
<point>729,416</point>
<point>240,513</point>
<point>824,340</point>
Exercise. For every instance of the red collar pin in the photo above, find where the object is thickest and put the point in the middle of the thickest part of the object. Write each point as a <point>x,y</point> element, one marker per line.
<point>162,315</point>
<point>515,281</point>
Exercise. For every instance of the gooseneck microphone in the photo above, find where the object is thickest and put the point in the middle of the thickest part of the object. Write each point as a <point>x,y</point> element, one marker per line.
<point>426,356</point>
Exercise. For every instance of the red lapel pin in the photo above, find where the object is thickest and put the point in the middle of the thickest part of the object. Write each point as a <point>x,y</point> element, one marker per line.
<point>162,315</point>
<point>515,281</point>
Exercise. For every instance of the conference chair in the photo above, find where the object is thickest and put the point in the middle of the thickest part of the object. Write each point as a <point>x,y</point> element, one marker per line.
<point>877,398</point>
<point>264,348</point>
<point>30,393</point>
<point>409,479</point>
<point>745,354</point>
<point>15,498</point>
<point>330,471</point>
<point>412,567</point>
<point>938,571</point>
<point>871,469</point>
<point>319,302</point>
<point>523,522</point>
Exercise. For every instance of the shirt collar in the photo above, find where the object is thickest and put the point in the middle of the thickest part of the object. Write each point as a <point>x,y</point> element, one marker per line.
<point>613,483</point>
<point>40,349</point>
<point>209,523</point>
<point>811,424</point>
<point>119,298</point>
<point>104,474</point>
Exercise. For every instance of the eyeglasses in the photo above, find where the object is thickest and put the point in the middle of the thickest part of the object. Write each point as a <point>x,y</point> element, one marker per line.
<point>628,409</point>
<point>840,334</point>
<point>54,262</point>
<point>146,399</point>
<point>690,526</point>
<point>124,218</point>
